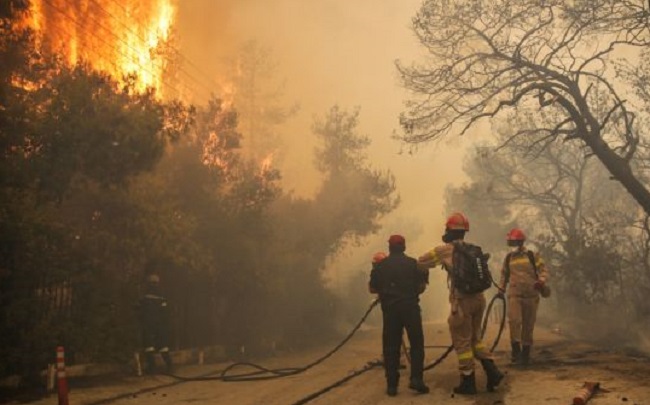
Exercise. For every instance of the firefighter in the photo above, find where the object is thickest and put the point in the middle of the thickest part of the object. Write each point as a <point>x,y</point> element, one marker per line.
<point>524,274</point>
<point>376,258</point>
<point>154,318</point>
<point>399,283</point>
<point>466,312</point>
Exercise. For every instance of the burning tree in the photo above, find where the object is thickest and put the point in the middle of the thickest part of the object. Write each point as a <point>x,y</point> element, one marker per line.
<point>101,180</point>
<point>71,140</point>
<point>488,57</point>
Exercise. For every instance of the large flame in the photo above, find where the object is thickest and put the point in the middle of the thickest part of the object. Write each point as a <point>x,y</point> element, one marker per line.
<point>121,37</point>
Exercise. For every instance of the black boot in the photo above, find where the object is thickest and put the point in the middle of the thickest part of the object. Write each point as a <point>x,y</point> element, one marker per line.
<point>391,385</point>
<point>168,362</point>
<point>494,376</point>
<point>467,385</point>
<point>150,363</point>
<point>515,355</point>
<point>525,355</point>
<point>418,385</point>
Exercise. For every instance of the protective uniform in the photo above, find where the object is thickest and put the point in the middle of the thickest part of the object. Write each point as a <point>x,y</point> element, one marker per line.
<point>466,312</point>
<point>524,279</point>
<point>399,282</point>
<point>154,318</point>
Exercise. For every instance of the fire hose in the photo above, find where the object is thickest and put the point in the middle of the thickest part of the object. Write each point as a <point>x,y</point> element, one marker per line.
<point>436,362</point>
<point>263,373</point>
<point>486,317</point>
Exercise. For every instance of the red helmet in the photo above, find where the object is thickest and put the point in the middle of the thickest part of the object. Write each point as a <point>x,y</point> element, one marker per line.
<point>457,221</point>
<point>516,234</point>
<point>377,257</point>
<point>396,240</point>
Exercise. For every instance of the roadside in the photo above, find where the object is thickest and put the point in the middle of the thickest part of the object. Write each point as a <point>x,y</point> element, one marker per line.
<point>561,366</point>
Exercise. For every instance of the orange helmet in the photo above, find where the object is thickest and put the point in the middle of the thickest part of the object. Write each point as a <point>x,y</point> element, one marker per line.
<point>457,221</point>
<point>516,234</point>
<point>377,257</point>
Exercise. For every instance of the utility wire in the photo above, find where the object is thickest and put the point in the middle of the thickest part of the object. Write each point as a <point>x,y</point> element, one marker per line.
<point>77,22</point>
<point>176,51</point>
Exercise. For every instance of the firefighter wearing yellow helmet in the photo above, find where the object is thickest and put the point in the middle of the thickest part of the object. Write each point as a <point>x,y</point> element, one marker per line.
<point>466,308</point>
<point>525,276</point>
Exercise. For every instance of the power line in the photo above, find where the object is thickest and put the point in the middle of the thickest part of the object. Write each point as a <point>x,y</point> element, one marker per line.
<point>77,22</point>
<point>176,51</point>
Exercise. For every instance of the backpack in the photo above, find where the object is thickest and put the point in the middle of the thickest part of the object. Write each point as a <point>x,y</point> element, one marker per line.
<point>470,273</point>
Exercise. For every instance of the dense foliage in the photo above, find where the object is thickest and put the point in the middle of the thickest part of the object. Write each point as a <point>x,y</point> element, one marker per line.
<point>101,184</point>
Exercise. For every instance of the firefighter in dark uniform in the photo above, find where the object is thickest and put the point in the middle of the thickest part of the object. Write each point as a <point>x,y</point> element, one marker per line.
<point>399,282</point>
<point>154,318</point>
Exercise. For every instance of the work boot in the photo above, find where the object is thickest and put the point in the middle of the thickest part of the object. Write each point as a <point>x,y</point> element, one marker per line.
<point>418,385</point>
<point>467,385</point>
<point>525,355</point>
<point>168,362</point>
<point>150,363</point>
<point>515,355</point>
<point>494,376</point>
<point>392,382</point>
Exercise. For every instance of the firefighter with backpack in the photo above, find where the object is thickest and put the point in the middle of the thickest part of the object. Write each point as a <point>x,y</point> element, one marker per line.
<point>468,276</point>
<point>525,276</point>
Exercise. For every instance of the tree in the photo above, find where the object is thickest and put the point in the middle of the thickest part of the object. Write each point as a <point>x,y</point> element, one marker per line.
<point>258,99</point>
<point>487,57</point>
<point>571,211</point>
<point>348,205</point>
<point>353,191</point>
<point>71,141</point>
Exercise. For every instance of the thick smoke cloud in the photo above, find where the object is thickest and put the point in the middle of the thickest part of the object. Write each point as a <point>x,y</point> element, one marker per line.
<point>335,52</point>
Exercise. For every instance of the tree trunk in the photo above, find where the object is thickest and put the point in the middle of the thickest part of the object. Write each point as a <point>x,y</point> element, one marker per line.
<point>621,171</point>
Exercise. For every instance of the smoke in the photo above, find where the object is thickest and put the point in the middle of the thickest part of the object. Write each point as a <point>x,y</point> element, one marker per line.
<point>335,52</point>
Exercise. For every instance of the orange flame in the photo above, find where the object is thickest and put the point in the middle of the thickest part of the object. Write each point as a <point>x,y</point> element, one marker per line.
<point>267,163</point>
<point>121,37</point>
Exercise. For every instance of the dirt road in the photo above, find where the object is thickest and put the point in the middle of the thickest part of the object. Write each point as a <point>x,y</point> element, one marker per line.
<point>561,366</point>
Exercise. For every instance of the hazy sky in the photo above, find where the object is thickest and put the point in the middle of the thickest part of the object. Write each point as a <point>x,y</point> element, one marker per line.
<point>338,52</point>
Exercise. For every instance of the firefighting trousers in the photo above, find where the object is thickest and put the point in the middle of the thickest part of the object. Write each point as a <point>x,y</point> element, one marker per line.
<point>396,319</point>
<point>465,329</point>
<point>522,313</point>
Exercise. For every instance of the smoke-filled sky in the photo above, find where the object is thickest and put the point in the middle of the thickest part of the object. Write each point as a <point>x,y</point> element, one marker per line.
<point>337,52</point>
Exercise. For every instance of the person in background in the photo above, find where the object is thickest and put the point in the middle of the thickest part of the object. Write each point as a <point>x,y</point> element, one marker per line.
<point>524,274</point>
<point>155,321</point>
<point>466,310</point>
<point>399,283</point>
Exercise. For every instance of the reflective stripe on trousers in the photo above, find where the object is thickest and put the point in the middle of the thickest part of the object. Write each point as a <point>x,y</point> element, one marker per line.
<point>465,328</point>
